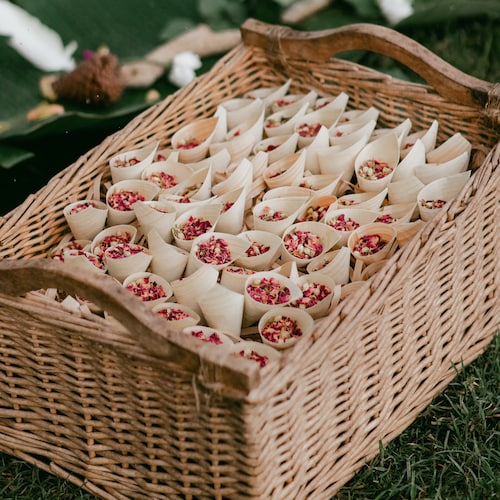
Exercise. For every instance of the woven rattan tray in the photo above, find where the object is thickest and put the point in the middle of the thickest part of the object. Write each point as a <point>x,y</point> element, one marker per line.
<point>126,409</point>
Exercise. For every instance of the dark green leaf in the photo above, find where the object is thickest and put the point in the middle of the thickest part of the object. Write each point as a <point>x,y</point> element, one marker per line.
<point>10,155</point>
<point>365,8</point>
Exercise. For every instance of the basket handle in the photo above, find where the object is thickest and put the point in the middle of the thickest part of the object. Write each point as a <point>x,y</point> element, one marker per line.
<point>282,43</point>
<point>235,378</point>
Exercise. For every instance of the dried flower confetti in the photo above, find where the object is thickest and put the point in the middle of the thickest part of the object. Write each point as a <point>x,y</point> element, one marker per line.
<point>123,250</point>
<point>312,294</point>
<point>281,329</point>
<point>146,289</point>
<point>172,313</point>
<point>303,244</point>
<point>308,129</point>
<point>124,199</point>
<point>192,228</point>
<point>268,214</point>
<point>213,338</point>
<point>373,170</point>
<point>214,251</point>
<point>268,291</point>
<point>343,223</point>
<point>253,355</point>
<point>369,244</point>
<point>80,207</point>
<point>433,203</point>
<point>162,179</point>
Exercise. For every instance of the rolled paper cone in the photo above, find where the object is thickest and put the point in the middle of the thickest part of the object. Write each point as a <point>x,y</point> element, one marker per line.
<point>189,289</point>
<point>316,208</point>
<point>167,175</point>
<point>402,213</point>
<point>287,171</point>
<point>289,270</point>
<point>287,208</point>
<point>303,320</point>
<point>356,216</point>
<point>130,164</point>
<point>157,215</point>
<point>429,172</point>
<point>384,231</point>
<point>208,212</point>
<point>238,146</point>
<point>303,253</point>
<point>84,261</point>
<point>350,133</point>
<point>404,191</point>
<point>240,110</point>
<point>253,123</point>
<point>318,143</point>
<point>359,116</point>
<point>123,266</point>
<point>165,154</point>
<point>223,341</point>
<point>222,126</point>
<point>309,130</point>
<point>278,124</point>
<point>168,260</point>
<point>277,146</point>
<point>384,149</point>
<point>288,192</point>
<point>269,94</point>
<point>153,279</point>
<point>259,240</point>
<point>254,309</point>
<point>335,264</point>
<point>259,162</point>
<point>234,278</point>
<point>255,352</point>
<point>426,137</point>
<point>291,103</point>
<point>182,204</point>
<point>236,247</point>
<point>406,231</point>
<point>197,187</point>
<point>240,177</point>
<point>331,106</point>
<point>415,156</point>
<point>139,189</point>
<point>322,184</point>
<point>193,140</point>
<point>451,148</point>
<point>218,161</point>
<point>67,243</point>
<point>444,189</point>
<point>317,289</point>
<point>367,201</point>
<point>223,309</point>
<point>117,234</point>
<point>339,159</point>
<point>86,218</point>
<point>233,211</point>
<point>401,131</point>
<point>186,316</point>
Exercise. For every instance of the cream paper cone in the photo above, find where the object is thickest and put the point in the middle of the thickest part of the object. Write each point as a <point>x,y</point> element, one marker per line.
<point>255,309</point>
<point>322,184</point>
<point>387,234</point>
<point>240,110</point>
<point>218,161</point>
<point>190,289</point>
<point>125,265</point>
<point>223,309</point>
<point>335,264</point>
<point>167,308</point>
<point>289,270</point>
<point>231,218</point>
<point>111,236</point>
<point>359,116</point>
<point>429,172</point>
<point>222,126</point>
<point>147,190</point>
<point>224,342</point>
<point>406,168</point>
<point>236,246</point>
<point>157,215</point>
<point>84,261</point>
<point>308,283</point>
<point>143,157</point>
<point>327,239</point>
<point>287,171</point>
<point>277,146</point>
<point>367,201</point>
<point>427,137</point>
<point>331,105</point>
<point>209,212</point>
<point>182,204</point>
<point>278,124</point>
<point>360,216</point>
<point>304,321</point>
<point>262,261</point>
<point>321,141</point>
<point>451,148</point>
<point>350,133</point>
<point>67,243</point>
<point>240,177</point>
<point>256,352</point>
<point>167,175</point>
<point>153,279</point>
<point>198,186</point>
<point>316,208</point>
<point>234,278</point>
<point>289,207</point>
<point>291,103</point>
<point>288,192</point>
<point>402,213</point>
<point>445,188</point>
<point>269,94</point>
<point>259,162</point>
<point>86,218</point>
<point>385,149</point>
<point>401,131</point>
<point>168,260</point>
<point>252,124</point>
<point>310,131</point>
<point>404,191</point>
<point>201,131</point>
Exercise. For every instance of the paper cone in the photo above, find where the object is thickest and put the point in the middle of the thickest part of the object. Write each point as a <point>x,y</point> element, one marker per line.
<point>316,208</point>
<point>331,105</point>
<point>429,172</point>
<point>216,304</point>
<point>404,191</point>
<point>269,94</point>
<point>367,201</point>
<point>406,168</point>
<point>83,261</point>
<point>277,146</point>
<point>401,131</point>
<point>444,189</point>
<point>301,318</point>
<point>193,140</point>
<point>278,124</point>
<point>346,217</point>
<point>86,218</point>
<point>398,214</point>
<point>317,292</point>
<point>168,260</point>
<point>265,212</point>
<point>157,215</point>
<point>288,192</point>
<point>197,187</point>
<point>124,259</point>
<point>387,235</point>
<point>347,134</point>
<point>182,204</point>
<point>426,137</point>
<point>221,127</point>
<point>406,231</point>
<point>167,175</point>
<point>262,252</point>
<point>291,103</point>
<point>186,316</point>
<point>335,264</point>
<point>240,177</point>
<point>234,278</point>
<point>240,110</point>
<point>121,233</point>
<point>218,161</point>
<point>138,189</point>
<point>321,184</point>
<point>233,211</point>
<point>451,148</point>
<point>310,131</point>
<point>130,164</point>
<point>145,279</point>
<point>287,171</point>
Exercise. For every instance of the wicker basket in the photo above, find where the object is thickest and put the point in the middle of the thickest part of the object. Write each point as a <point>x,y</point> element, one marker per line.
<point>125,409</point>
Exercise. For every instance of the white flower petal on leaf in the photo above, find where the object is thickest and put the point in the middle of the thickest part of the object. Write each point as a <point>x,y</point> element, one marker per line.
<point>395,10</point>
<point>35,41</point>
<point>183,66</point>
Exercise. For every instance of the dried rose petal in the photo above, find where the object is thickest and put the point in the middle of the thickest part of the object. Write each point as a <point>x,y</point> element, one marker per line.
<point>312,294</point>
<point>281,329</point>
<point>162,179</point>
<point>227,206</point>
<point>373,170</point>
<point>385,219</point>
<point>313,214</point>
<point>93,259</point>
<point>253,355</point>
<point>172,313</point>
<point>433,203</point>
<point>256,249</point>
<point>123,250</point>
<point>268,214</point>
<point>124,199</point>
<point>308,129</point>
<point>268,291</point>
<point>188,143</point>
<point>343,223</point>
<point>274,122</point>
<point>122,162</point>
<point>146,289</point>
<point>80,207</point>
<point>214,251</point>
<point>193,227</point>
<point>213,338</point>
<point>111,240</point>
<point>369,244</point>
<point>71,245</point>
<point>239,270</point>
<point>303,244</point>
